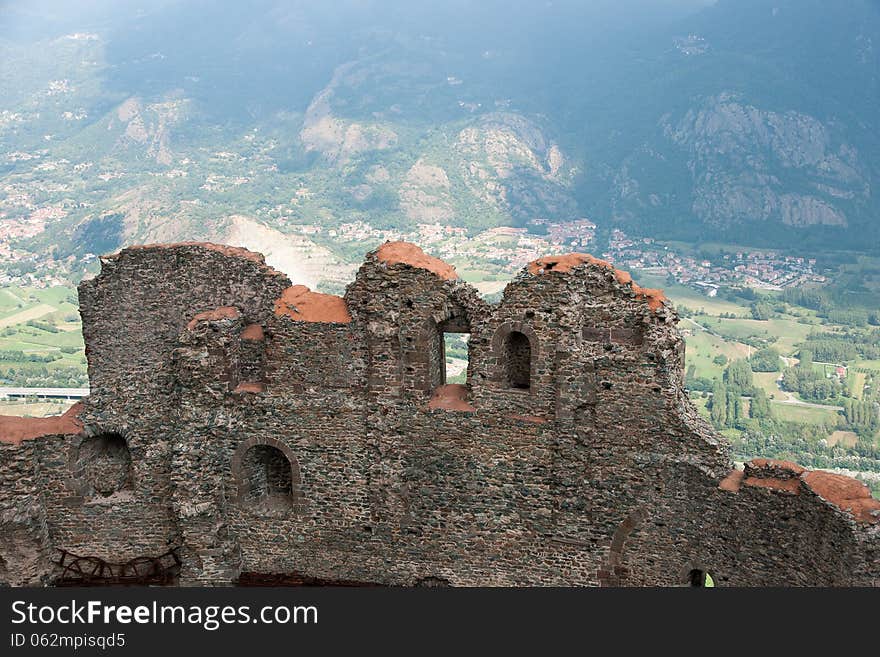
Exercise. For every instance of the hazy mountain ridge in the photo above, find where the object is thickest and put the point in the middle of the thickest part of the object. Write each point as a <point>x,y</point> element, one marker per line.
<point>704,126</point>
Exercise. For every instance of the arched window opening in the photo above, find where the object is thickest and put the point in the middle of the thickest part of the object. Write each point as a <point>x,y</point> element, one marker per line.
<point>267,479</point>
<point>517,361</point>
<point>700,579</point>
<point>104,464</point>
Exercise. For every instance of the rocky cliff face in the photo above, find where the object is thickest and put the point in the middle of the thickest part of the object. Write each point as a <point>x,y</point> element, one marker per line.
<point>739,155</point>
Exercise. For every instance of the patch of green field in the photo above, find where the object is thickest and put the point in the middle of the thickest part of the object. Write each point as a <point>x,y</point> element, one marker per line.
<point>473,275</point>
<point>803,414</point>
<point>845,438</point>
<point>685,296</point>
<point>828,370</point>
<point>702,347</point>
<point>767,382</point>
<point>700,404</point>
<point>10,303</point>
<point>783,333</point>
<point>41,323</point>
<point>855,381</point>
<point>25,408</point>
<point>873,365</point>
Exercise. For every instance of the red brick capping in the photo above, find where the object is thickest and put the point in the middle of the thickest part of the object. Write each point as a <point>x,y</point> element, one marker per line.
<point>216,315</point>
<point>846,493</point>
<point>406,253</point>
<point>776,464</point>
<point>732,482</point>
<point>237,471</point>
<point>300,303</point>
<point>564,263</point>
<point>792,486</point>
<point>15,430</point>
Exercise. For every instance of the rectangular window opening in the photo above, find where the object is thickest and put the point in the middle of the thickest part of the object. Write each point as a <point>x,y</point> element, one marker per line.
<point>455,346</point>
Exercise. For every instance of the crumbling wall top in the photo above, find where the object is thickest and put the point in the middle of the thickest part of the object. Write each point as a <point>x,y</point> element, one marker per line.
<point>15,430</point>
<point>562,264</point>
<point>847,494</point>
<point>224,249</point>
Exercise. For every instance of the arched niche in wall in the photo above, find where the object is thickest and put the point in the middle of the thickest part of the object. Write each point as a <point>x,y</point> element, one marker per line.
<point>697,576</point>
<point>613,572</point>
<point>267,476</point>
<point>515,353</point>
<point>101,467</point>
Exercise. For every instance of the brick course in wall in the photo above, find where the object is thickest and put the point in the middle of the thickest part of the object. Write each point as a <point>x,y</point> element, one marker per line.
<point>253,427</point>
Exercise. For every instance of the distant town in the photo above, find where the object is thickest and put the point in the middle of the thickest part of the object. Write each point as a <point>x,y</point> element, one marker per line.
<point>762,269</point>
<point>508,248</point>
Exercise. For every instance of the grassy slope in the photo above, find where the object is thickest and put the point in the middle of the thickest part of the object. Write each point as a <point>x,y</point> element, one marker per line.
<point>17,335</point>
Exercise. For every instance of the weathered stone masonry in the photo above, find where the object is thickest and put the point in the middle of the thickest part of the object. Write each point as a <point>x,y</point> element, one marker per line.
<point>240,427</point>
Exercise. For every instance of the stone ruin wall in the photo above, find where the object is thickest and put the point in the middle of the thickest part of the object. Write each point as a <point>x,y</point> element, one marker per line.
<point>599,473</point>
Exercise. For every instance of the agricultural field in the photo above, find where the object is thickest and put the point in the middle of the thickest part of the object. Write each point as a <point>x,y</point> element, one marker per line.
<point>855,382</point>
<point>32,408</point>
<point>767,381</point>
<point>804,414</point>
<point>702,347</point>
<point>784,334</point>
<point>845,438</point>
<point>40,338</point>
